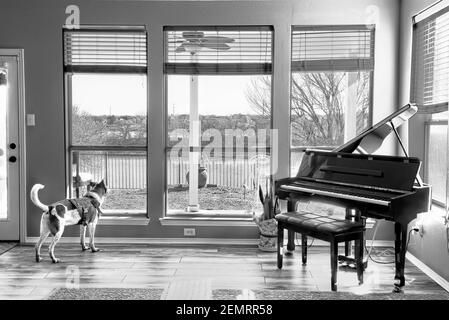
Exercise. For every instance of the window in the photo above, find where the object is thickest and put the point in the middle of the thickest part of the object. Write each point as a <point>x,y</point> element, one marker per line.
<point>218,101</point>
<point>106,96</point>
<point>331,86</point>
<point>430,91</point>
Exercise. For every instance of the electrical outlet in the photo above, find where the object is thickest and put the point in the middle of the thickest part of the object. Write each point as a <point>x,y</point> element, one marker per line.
<point>189,232</point>
<point>31,121</point>
<point>418,227</point>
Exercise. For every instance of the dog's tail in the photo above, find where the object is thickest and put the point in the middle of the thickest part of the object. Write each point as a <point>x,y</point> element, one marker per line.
<point>35,198</point>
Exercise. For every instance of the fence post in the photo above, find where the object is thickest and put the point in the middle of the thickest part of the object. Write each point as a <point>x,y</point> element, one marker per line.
<point>106,167</point>
<point>76,162</point>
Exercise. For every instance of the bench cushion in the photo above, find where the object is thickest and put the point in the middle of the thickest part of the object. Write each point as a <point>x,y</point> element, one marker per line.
<point>319,223</point>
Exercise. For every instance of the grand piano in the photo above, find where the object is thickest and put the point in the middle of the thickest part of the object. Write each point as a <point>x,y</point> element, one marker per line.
<point>378,186</point>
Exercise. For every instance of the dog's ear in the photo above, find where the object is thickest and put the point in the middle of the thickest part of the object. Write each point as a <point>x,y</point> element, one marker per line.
<point>103,183</point>
<point>92,184</point>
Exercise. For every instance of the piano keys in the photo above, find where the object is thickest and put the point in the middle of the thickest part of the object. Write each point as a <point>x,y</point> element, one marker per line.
<point>380,187</point>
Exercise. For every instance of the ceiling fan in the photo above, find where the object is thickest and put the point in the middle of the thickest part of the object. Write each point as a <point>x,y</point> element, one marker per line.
<point>194,41</point>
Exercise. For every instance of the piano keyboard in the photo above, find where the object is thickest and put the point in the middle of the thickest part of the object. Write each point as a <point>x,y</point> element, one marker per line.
<point>328,193</point>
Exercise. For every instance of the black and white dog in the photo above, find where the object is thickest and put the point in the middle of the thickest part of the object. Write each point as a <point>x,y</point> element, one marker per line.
<point>83,211</point>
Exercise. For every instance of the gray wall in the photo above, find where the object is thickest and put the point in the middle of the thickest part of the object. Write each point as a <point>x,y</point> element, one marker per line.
<point>36,27</point>
<point>432,247</point>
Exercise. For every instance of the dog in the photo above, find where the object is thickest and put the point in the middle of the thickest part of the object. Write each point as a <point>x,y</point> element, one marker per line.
<point>83,211</point>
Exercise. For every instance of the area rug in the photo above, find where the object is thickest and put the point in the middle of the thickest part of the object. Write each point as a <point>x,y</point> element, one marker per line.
<point>106,294</point>
<point>6,246</point>
<point>231,294</point>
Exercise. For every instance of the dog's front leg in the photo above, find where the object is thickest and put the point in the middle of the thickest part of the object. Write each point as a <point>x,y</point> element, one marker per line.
<point>92,226</point>
<point>51,248</point>
<point>84,247</point>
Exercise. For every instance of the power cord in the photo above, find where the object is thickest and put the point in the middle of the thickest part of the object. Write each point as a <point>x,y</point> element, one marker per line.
<point>298,244</point>
<point>383,252</point>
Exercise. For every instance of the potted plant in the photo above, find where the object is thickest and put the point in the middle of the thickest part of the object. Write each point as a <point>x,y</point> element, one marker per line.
<point>266,222</point>
<point>202,173</point>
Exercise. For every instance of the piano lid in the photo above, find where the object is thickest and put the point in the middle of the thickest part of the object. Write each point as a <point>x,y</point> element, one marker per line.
<point>371,139</point>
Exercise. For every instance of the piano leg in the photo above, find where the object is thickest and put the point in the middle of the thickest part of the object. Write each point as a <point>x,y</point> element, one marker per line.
<point>348,244</point>
<point>348,248</point>
<point>280,249</point>
<point>304,249</point>
<point>400,246</point>
<point>291,241</point>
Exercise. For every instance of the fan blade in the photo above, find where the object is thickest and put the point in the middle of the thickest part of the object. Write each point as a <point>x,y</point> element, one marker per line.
<point>180,49</point>
<point>192,35</point>
<point>217,39</point>
<point>216,46</point>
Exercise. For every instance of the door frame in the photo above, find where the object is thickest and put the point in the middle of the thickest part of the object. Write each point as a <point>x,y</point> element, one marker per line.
<point>19,54</point>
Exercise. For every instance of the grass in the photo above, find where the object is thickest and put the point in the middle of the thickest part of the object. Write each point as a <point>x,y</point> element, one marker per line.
<point>210,198</point>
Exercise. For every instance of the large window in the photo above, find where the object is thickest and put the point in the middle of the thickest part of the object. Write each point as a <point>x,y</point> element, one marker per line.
<point>106,96</point>
<point>331,86</point>
<point>430,90</point>
<point>218,101</point>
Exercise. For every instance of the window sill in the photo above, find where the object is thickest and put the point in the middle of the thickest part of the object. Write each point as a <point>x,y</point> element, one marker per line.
<point>129,220</point>
<point>436,212</point>
<point>207,221</point>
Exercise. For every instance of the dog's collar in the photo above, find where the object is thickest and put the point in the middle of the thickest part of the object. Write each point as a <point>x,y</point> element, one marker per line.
<point>94,196</point>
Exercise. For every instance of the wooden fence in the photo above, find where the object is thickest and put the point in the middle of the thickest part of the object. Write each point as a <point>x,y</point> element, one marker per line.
<point>129,170</point>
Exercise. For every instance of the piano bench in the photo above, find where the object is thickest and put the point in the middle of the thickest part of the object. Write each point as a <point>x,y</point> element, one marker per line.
<point>324,228</point>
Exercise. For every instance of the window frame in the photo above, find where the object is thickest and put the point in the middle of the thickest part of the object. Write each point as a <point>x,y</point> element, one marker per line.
<point>372,29</point>
<point>427,125</point>
<point>426,111</point>
<point>211,216</point>
<point>431,108</point>
<point>68,72</point>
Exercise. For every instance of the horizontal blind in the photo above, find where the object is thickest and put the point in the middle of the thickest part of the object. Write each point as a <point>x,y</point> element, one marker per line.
<point>430,71</point>
<point>332,48</point>
<point>218,50</point>
<point>96,49</point>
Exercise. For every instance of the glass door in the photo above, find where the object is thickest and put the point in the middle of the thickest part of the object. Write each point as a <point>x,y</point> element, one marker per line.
<point>9,155</point>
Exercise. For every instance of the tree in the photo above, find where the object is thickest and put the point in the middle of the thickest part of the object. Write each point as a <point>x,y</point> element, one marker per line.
<point>317,105</point>
<point>86,130</point>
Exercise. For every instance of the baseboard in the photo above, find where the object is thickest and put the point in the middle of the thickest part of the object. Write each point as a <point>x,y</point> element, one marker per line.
<point>428,271</point>
<point>376,243</point>
<point>164,241</point>
<point>189,241</point>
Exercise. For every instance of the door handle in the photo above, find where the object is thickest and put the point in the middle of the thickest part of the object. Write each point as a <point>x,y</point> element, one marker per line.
<point>12,159</point>
<point>12,146</point>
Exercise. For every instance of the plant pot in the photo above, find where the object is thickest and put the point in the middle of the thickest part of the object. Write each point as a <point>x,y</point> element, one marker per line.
<point>202,177</point>
<point>268,235</point>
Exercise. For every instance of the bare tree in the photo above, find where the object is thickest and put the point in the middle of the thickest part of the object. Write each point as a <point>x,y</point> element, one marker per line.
<point>317,106</point>
<point>85,129</point>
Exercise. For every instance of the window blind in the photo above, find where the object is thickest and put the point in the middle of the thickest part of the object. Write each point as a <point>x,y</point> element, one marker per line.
<point>218,50</point>
<point>430,69</point>
<point>105,49</point>
<point>332,48</point>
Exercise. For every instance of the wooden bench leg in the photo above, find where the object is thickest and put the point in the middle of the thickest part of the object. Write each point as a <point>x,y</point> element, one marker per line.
<point>304,249</point>
<point>359,259</point>
<point>348,248</point>
<point>334,265</point>
<point>280,251</point>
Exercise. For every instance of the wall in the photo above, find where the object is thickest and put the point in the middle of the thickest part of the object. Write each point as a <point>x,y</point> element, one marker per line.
<point>432,247</point>
<point>36,27</point>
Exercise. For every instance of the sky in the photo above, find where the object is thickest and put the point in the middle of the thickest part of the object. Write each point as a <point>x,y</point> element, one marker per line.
<point>125,94</point>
